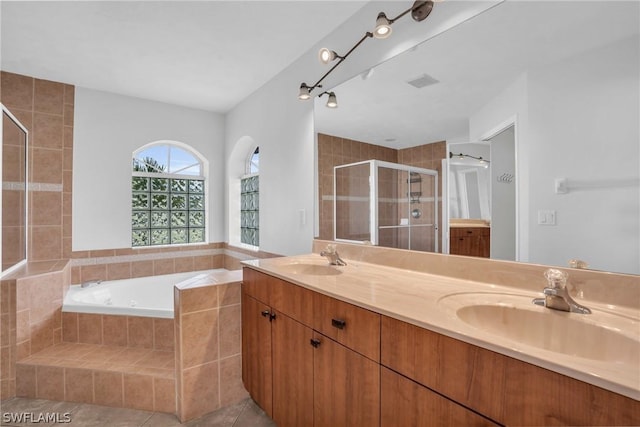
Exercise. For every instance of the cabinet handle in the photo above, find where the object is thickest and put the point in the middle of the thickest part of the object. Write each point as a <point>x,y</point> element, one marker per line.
<point>315,343</point>
<point>272,316</point>
<point>338,323</point>
<point>266,313</point>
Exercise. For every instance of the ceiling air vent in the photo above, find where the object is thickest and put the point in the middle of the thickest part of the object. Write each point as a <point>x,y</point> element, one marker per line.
<point>422,81</point>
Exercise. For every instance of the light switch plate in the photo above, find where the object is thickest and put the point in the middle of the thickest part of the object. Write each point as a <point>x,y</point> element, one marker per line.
<point>546,217</point>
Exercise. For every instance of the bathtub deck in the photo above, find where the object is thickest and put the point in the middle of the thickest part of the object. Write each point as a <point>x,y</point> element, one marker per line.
<point>137,378</point>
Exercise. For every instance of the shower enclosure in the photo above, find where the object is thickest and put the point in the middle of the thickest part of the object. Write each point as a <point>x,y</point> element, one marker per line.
<point>386,204</point>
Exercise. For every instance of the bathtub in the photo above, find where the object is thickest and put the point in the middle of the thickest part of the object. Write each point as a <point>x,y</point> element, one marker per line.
<point>150,296</point>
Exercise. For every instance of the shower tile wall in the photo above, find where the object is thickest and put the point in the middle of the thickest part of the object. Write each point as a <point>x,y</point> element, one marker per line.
<point>334,151</point>
<point>45,108</point>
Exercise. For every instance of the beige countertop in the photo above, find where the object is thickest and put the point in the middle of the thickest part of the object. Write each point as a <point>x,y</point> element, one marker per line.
<point>432,302</point>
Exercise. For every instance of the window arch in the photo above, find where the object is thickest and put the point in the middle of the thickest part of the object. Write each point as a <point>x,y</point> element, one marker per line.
<point>250,200</point>
<point>168,195</point>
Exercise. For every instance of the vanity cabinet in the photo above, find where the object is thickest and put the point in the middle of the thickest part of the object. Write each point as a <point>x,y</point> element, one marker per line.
<point>298,375</point>
<point>470,241</point>
<point>506,390</point>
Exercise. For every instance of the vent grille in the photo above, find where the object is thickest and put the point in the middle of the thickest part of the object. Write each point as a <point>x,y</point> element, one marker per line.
<point>422,81</point>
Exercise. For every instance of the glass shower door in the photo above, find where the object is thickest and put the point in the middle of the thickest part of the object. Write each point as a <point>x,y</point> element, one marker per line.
<point>352,202</point>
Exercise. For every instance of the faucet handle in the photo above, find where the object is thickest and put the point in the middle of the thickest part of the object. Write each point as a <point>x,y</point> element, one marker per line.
<point>578,263</point>
<point>556,279</point>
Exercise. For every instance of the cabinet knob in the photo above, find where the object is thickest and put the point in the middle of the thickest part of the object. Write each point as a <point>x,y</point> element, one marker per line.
<point>314,342</point>
<point>338,323</point>
<point>266,313</point>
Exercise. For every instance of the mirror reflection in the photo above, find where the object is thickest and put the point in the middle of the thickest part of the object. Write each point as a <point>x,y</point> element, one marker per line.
<point>563,78</point>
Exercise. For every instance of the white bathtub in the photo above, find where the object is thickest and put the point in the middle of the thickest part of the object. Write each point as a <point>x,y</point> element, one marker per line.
<point>150,296</point>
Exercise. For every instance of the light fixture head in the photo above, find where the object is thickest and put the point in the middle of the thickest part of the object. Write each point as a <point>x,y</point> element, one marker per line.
<point>383,27</point>
<point>327,55</point>
<point>421,9</point>
<point>305,92</point>
<point>332,102</point>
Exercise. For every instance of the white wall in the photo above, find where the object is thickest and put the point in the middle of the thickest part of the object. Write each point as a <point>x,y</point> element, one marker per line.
<point>577,119</point>
<point>107,129</point>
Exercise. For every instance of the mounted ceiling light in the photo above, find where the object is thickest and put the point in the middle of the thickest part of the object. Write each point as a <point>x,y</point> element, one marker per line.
<point>462,156</point>
<point>327,55</point>
<point>332,101</point>
<point>383,27</point>
<point>305,92</point>
<point>419,11</point>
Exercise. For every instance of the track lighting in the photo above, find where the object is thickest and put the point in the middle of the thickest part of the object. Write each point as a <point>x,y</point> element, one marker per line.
<point>383,27</point>
<point>327,55</point>
<point>332,101</point>
<point>461,156</point>
<point>419,11</point>
<point>305,92</point>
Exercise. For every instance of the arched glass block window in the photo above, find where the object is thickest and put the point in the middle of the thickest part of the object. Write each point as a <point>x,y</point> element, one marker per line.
<point>168,204</point>
<point>249,201</point>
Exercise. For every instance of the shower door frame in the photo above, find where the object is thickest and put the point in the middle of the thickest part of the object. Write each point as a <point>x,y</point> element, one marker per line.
<point>373,200</point>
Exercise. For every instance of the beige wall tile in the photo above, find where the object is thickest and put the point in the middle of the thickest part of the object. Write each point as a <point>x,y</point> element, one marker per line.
<point>93,272</point>
<point>41,335</point>
<point>68,114</point>
<point>47,133</point>
<point>46,208</point>
<point>230,331</point>
<point>25,380</point>
<point>23,326</point>
<point>164,395</point>
<point>70,327</point>
<point>69,94</point>
<point>78,385</point>
<point>199,338</point>
<point>197,299</point>
<point>200,391</point>
<point>138,392</point>
<point>50,382</point>
<point>46,243</point>
<point>204,262</point>
<point>89,328</point>
<point>48,97</point>
<point>163,334</point>
<point>163,266</point>
<point>108,388</point>
<point>183,264</point>
<point>23,350</point>
<point>119,270</point>
<point>141,268</point>
<point>17,91</point>
<point>140,330</point>
<point>114,330</point>
<point>229,294</point>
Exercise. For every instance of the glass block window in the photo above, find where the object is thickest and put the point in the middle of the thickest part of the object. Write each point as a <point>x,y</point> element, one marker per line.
<point>249,212</point>
<point>167,197</point>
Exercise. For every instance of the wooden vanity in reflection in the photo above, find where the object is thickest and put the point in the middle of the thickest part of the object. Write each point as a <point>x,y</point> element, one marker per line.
<point>470,237</point>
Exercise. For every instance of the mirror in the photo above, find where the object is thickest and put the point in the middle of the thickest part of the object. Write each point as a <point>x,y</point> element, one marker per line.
<point>567,75</point>
<point>14,192</point>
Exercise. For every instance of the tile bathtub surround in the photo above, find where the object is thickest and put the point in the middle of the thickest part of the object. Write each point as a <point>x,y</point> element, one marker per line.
<point>208,346</point>
<point>121,331</point>
<point>91,373</point>
<point>46,109</point>
<point>7,338</point>
<point>602,287</point>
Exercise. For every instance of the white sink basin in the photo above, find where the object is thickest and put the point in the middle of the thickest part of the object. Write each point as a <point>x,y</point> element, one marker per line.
<point>598,336</point>
<point>310,269</point>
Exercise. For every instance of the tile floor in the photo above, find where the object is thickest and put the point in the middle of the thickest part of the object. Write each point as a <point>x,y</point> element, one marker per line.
<point>243,414</point>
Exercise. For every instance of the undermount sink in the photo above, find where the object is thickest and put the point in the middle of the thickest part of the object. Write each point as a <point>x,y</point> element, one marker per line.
<point>598,336</point>
<point>311,269</point>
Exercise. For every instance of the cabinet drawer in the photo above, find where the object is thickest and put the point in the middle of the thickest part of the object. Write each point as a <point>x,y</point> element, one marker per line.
<point>351,326</point>
<point>292,300</point>
<point>469,231</point>
<point>255,284</point>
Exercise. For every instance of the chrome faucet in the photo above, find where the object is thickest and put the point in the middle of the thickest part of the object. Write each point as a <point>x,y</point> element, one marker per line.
<point>90,283</point>
<point>556,294</point>
<point>332,255</point>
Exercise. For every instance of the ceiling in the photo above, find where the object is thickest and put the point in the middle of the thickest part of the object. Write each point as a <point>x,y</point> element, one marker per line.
<point>472,63</point>
<point>208,55</point>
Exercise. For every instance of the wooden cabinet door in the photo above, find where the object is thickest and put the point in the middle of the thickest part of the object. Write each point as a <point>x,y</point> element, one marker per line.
<point>256,352</point>
<point>407,403</point>
<point>292,372</point>
<point>346,386</point>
